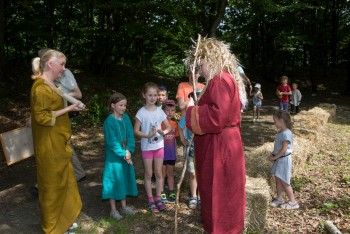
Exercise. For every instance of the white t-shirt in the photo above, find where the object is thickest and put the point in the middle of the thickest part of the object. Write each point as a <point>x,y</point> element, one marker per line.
<point>149,119</point>
<point>67,81</point>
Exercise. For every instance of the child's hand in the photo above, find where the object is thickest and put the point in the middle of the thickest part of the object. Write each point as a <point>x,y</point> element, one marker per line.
<point>271,157</point>
<point>152,133</point>
<point>129,161</point>
<point>184,141</point>
<point>128,155</point>
<point>161,132</point>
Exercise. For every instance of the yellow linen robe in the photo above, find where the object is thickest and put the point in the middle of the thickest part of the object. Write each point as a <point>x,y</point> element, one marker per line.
<point>59,196</point>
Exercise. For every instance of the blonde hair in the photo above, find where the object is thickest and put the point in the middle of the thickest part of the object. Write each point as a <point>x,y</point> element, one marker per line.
<point>39,63</point>
<point>219,59</point>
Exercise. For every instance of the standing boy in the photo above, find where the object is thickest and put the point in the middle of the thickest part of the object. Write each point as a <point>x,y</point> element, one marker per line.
<point>283,91</point>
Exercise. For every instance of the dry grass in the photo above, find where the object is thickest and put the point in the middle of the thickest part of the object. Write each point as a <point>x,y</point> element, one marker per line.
<point>308,134</point>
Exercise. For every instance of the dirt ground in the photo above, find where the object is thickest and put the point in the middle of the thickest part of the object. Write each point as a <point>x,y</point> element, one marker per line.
<point>20,211</point>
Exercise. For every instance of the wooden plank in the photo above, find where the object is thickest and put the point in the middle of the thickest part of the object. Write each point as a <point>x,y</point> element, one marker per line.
<point>17,144</point>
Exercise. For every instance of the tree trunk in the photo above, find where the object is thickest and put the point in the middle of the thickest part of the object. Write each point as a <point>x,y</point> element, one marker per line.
<point>49,15</point>
<point>2,41</point>
<point>334,32</point>
<point>347,89</point>
<point>219,15</point>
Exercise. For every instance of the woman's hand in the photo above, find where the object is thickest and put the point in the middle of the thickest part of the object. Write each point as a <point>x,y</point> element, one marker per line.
<point>76,107</point>
<point>161,132</point>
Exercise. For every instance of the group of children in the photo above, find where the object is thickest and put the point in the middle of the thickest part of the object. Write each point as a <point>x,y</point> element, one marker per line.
<point>283,92</point>
<point>155,126</point>
<point>283,146</point>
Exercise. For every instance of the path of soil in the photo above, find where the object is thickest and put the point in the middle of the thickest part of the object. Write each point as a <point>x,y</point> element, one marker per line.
<point>20,212</point>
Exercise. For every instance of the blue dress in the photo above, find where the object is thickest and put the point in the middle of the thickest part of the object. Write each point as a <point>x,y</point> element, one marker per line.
<point>119,178</point>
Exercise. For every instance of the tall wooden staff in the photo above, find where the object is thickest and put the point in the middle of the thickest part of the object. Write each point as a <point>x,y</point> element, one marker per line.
<point>184,168</point>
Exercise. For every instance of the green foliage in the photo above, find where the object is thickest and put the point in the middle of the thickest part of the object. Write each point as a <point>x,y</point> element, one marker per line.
<point>109,225</point>
<point>96,111</point>
<point>346,179</point>
<point>298,183</point>
<point>328,206</point>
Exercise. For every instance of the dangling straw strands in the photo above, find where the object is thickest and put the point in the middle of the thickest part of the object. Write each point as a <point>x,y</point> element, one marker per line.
<point>219,59</point>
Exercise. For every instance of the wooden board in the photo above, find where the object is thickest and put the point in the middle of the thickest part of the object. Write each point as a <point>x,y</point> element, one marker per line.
<point>17,145</point>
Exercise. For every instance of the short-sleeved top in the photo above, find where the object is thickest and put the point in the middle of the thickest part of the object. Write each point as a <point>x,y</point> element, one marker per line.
<point>281,136</point>
<point>67,81</point>
<point>284,88</point>
<point>256,98</point>
<point>170,141</point>
<point>150,119</point>
<point>184,89</point>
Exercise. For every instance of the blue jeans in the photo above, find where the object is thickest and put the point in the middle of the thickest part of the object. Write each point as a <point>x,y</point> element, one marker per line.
<point>284,106</point>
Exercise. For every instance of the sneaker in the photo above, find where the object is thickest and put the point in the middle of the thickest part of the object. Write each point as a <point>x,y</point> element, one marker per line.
<point>193,203</point>
<point>172,197</point>
<point>290,205</point>
<point>127,211</point>
<point>160,205</point>
<point>70,230</point>
<point>153,207</point>
<point>115,215</point>
<point>276,202</point>
<point>163,197</point>
<point>253,120</point>
<point>257,120</point>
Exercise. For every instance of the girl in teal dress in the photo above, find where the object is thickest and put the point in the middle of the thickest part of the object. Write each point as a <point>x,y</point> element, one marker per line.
<point>118,175</point>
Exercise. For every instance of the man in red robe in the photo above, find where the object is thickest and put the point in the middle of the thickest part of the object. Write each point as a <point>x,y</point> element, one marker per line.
<point>216,121</point>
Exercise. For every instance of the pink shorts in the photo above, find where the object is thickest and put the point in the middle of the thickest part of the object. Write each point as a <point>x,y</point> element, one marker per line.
<point>151,154</point>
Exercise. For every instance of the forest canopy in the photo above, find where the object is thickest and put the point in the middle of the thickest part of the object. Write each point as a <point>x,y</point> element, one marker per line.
<point>153,35</point>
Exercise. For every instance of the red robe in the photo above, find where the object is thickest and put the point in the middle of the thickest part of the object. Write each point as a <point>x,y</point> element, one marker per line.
<point>219,157</point>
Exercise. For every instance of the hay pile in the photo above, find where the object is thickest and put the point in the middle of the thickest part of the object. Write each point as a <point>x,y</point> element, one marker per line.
<point>308,127</point>
<point>258,198</point>
<point>309,124</point>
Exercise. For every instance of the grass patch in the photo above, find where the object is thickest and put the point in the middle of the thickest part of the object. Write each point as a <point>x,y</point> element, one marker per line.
<point>300,182</point>
<point>109,225</point>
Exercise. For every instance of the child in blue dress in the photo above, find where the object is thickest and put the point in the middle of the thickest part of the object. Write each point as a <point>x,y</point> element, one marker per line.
<point>282,161</point>
<point>119,178</point>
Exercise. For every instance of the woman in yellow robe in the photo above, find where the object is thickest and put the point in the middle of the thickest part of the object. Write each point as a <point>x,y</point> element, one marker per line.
<point>59,197</point>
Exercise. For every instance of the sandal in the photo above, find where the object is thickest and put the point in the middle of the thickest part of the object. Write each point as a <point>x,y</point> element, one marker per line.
<point>153,207</point>
<point>198,202</point>
<point>192,204</point>
<point>160,205</point>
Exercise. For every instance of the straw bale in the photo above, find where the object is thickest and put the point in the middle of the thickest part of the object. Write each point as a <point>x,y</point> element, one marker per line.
<point>258,198</point>
<point>308,125</point>
<point>331,109</point>
<point>314,118</point>
<point>256,163</point>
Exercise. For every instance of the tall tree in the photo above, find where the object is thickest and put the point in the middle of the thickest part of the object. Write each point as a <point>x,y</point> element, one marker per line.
<point>222,4</point>
<point>2,41</point>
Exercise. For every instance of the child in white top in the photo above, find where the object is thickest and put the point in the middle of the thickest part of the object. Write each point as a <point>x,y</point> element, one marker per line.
<point>282,160</point>
<point>148,127</point>
<point>257,101</point>
<point>295,99</point>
